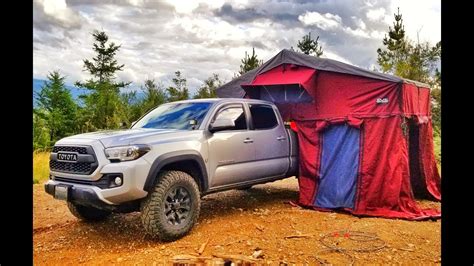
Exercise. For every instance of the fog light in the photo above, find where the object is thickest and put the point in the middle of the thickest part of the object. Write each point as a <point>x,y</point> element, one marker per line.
<point>118,181</point>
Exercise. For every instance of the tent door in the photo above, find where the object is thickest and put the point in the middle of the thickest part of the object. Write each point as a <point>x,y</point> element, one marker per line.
<point>417,180</point>
<point>339,167</point>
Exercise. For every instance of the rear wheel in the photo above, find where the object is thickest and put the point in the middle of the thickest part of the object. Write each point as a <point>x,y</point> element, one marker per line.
<point>172,208</point>
<point>87,214</point>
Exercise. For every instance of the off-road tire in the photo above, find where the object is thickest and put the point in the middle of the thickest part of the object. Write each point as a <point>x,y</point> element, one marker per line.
<point>86,213</point>
<point>153,207</point>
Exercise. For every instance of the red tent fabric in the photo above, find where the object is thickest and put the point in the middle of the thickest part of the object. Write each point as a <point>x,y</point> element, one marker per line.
<point>428,165</point>
<point>336,96</point>
<point>286,74</point>
<point>392,140</point>
<point>416,100</point>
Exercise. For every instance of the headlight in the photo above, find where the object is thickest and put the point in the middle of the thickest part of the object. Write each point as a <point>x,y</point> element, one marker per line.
<point>126,153</point>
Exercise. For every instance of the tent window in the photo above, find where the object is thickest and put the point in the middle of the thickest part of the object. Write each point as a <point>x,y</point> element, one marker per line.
<point>293,93</point>
<point>263,116</point>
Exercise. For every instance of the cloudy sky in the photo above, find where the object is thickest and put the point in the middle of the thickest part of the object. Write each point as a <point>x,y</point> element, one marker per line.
<point>204,37</point>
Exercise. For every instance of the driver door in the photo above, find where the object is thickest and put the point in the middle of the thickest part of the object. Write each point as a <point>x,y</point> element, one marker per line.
<point>231,150</point>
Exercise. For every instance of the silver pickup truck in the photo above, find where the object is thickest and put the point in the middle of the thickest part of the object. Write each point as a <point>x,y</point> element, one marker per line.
<point>169,159</point>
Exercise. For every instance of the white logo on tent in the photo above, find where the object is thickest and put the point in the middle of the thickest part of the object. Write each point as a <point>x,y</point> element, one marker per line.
<point>382,100</point>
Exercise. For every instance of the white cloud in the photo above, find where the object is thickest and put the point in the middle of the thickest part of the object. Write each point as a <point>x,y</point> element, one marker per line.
<point>378,35</point>
<point>58,10</point>
<point>323,21</point>
<point>334,56</point>
<point>357,32</point>
<point>360,23</point>
<point>184,6</point>
<point>376,14</point>
<point>54,7</point>
<point>136,2</point>
<point>369,3</point>
<point>187,6</point>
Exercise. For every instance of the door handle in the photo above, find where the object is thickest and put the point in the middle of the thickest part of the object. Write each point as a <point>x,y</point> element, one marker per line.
<point>248,140</point>
<point>280,138</point>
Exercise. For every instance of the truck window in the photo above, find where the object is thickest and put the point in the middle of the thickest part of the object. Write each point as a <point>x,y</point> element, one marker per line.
<point>263,116</point>
<point>175,116</point>
<point>235,113</point>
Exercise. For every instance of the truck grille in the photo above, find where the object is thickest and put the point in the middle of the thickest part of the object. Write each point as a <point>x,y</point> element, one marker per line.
<point>83,168</point>
<point>80,168</point>
<point>80,150</point>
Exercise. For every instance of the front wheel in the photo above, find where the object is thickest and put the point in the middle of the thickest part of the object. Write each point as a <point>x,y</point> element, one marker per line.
<point>172,208</point>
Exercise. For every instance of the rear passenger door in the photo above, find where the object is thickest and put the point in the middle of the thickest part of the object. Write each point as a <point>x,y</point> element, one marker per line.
<point>270,141</point>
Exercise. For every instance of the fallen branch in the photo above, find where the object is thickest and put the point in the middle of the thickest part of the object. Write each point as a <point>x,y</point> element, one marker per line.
<point>235,257</point>
<point>233,242</point>
<point>297,236</point>
<point>189,259</point>
<point>407,249</point>
<point>203,247</point>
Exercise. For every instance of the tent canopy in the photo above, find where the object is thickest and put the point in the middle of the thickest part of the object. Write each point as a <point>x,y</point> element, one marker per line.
<point>234,88</point>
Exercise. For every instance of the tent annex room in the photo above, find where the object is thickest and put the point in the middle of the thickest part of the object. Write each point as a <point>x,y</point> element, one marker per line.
<point>365,138</point>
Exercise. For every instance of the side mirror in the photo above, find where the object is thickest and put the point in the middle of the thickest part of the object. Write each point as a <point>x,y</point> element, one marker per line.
<point>221,124</point>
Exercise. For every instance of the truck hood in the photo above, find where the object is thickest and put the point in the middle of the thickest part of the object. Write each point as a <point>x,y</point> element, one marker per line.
<point>112,138</point>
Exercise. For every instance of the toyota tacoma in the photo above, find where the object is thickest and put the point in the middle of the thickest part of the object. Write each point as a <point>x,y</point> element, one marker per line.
<point>170,158</point>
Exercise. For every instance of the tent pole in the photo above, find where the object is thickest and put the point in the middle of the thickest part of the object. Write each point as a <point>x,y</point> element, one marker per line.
<point>273,100</point>
<point>302,91</point>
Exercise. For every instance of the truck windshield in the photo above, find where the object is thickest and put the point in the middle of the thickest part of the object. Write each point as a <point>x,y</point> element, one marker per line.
<point>184,116</point>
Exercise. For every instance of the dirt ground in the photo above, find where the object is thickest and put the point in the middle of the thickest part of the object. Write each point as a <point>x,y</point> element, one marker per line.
<point>235,223</point>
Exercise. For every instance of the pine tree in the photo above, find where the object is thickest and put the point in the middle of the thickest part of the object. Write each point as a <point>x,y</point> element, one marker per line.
<point>179,91</point>
<point>310,46</point>
<point>56,109</point>
<point>154,95</point>
<point>249,62</point>
<point>403,57</point>
<point>395,46</point>
<point>208,90</point>
<point>103,106</point>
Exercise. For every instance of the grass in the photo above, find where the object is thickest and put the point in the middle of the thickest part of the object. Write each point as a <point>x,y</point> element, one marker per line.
<point>40,167</point>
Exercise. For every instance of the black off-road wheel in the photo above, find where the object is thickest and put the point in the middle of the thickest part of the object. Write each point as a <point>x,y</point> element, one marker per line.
<point>86,213</point>
<point>172,208</point>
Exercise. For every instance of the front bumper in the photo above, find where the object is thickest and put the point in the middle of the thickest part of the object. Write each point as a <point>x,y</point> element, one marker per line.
<point>81,195</point>
<point>134,174</point>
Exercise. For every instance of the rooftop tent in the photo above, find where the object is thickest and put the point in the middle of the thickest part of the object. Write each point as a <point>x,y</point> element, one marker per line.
<point>233,89</point>
<point>365,138</point>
